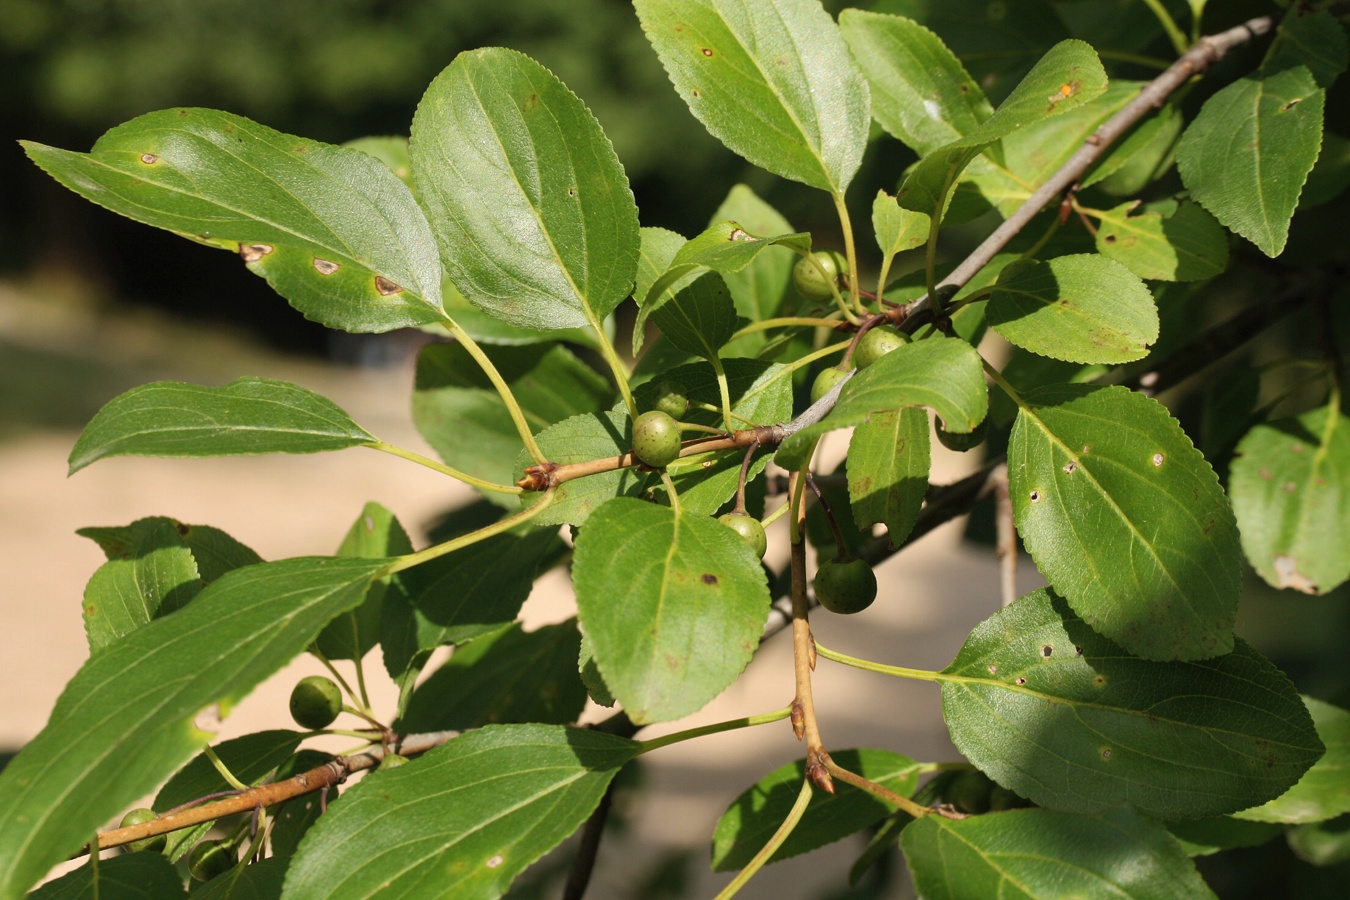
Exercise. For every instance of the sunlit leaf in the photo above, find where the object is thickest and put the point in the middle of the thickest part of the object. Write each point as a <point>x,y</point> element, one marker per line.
<point>1164,242</point>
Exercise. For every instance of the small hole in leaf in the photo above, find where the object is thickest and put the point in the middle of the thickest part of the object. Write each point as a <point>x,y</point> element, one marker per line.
<point>1047,651</point>
<point>324,267</point>
<point>1019,680</point>
<point>698,95</point>
<point>1035,496</point>
<point>1077,651</point>
<point>386,287</point>
<point>1158,459</point>
<point>1071,468</point>
<point>1109,238</point>
<point>571,192</point>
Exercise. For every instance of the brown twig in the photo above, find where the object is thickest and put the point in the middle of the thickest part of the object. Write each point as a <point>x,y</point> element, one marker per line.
<point>803,706</point>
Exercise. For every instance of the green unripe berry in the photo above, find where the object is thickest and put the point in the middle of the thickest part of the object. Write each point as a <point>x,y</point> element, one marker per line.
<point>962,442</point>
<point>845,586</point>
<point>827,379</point>
<point>969,792</point>
<point>671,398</point>
<point>809,281</point>
<point>315,702</point>
<point>877,343</point>
<point>749,529</point>
<point>656,438</point>
<point>138,817</point>
<point>209,859</point>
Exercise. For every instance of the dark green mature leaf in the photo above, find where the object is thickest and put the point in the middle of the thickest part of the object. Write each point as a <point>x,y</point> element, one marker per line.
<point>530,206</point>
<point>261,880</point>
<point>142,695</point>
<point>1141,158</point>
<point>1067,77</point>
<point>1324,790</point>
<point>461,415</point>
<point>761,289</point>
<point>1164,242</point>
<point>246,416</point>
<point>152,575</point>
<point>1248,152</point>
<point>770,79</point>
<point>1203,837</point>
<point>1313,39</point>
<point>131,876</point>
<point>1039,853</point>
<point>1081,308</point>
<point>942,374</point>
<point>579,439</point>
<point>888,459</point>
<point>332,229</point>
<point>1126,519</point>
<point>510,676</point>
<point>376,534</point>
<point>474,812</point>
<point>757,813</point>
<point>1291,494</point>
<point>700,318</point>
<point>921,94</point>
<point>673,604</point>
<point>1056,712</point>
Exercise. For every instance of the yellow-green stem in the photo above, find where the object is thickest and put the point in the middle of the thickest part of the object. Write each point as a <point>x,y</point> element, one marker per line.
<point>673,494</point>
<point>850,250</point>
<point>421,460</point>
<point>223,770</point>
<point>784,322</point>
<point>1174,33</point>
<point>880,668</point>
<point>997,377</point>
<point>616,365</point>
<point>473,537</point>
<point>793,817</point>
<point>503,389</point>
<point>716,728</point>
<point>724,390</point>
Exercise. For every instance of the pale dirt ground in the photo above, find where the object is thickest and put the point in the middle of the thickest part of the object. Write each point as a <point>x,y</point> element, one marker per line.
<point>288,506</point>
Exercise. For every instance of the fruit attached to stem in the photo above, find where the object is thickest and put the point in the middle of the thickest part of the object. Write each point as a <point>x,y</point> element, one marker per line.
<point>845,585</point>
<point>156,842</point>
<point>876,343</point>
<point>656,438</point>
<point>810,282</point>
<point>315,702</point>
<point>827,379</point>
<point>672,398</point>
<point>748,527</point>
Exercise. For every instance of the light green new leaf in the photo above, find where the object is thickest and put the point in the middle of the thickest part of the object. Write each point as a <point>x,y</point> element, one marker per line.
<point>1324,790</point>
<point>584,438</point>
<point>757,813</point>
<point>1247,154</point>
<point>943,374</point>
<point>530,205</point>
<point>1082,308</point>
<point>214,551</point>
<point>143,697</point>
<point>673,604</point>
<point>921,94</point>
<point>1291,493</point>
<point>1038,854</point>
<point>897,229</point>
<point>888,460</point>
<point>247,416</point>
<point>473,812</point>
<point>770,79</point>
<point>376,534</point>
<point>1067,77</point>
<point>332,229</point>
<point>760,290</point>
<point>131,876</point>
<point>1164,242</point>
<point>1126,519</point>
<point>152,574</point>
<point>1052,710</point>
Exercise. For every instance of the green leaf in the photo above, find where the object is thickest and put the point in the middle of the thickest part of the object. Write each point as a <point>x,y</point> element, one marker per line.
<point>1082,308</point>
<point>510,676</point>
<point>376,534</point>
<point>391,150</point>
<point>897,229</point>
<point>888,459</point>
<point>460,413</point>
<point>1324,791</point>
<point>673,603</point>
<point>591,677</point>
<point>582,439</point>
<point>1291,493</point>
<point>761,289</point>
<point>1313,39</point>
<point>142,694</point>
<point>1039,853</point>
<point>757,813</point>
<point>246,416</point>
<point>1067,77</point>
<point>700,318</point>
<point>1061,715</point>
<point>298,815</point>
<point>330,228</point>
<point>260,880</point>
<point>1141,158</point>
<point>1204,837</point>
<point>131,876</point>
<point>1126,519</point>
<point>943,374</point>
<point>771,79</point>
<point>1248,152</point>
<point>531,208</point>
<point>474,812</point>
<point>152,575</point>
<point>1322,843</point>
<point>1164,242</point>
<point>921,94</point>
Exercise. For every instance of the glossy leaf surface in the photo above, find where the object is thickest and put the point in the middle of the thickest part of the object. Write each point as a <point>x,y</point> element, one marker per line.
<point>1061,715</point>
<point>529,203</point>
<point>771,79</point>
<point>1126,519</point>
<point>1291,494</point>
<point>476,812</point>
<point>332,229</point>
<point>246,416</point>
<point>673,604</point>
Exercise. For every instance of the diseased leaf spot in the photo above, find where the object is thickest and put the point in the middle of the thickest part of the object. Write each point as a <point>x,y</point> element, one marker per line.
<point>1158,459</point>
<point>251,253</point>
<point>1109,238</point>
<point>1099,681</point>
<point>698,95</point>
<point>1047,651</point>
<point>1071,468</point>
<point>386,287</point>
<point>1291,104</point>
<point>1296,448</point>
<point>707,51</point>
<point>324,267</point>
<point>495,861</point>
<point>993,668</point>
<point>1106,753</point>
<point>1019,680</point>
<point>149,159</point>
<point>1035,496</point>
<point>709,578</point>
<point>1290,487</point>
<point>1077,651</point>
<point>1287,575</point>
<point>1265,475</point>
<point>1087,448</point>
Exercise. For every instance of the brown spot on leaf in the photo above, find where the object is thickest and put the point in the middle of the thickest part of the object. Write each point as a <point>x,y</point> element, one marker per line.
<point>698,95</point>
<point>707,51</point>
<point>149,159</point>
<point>1106,753</point>
<point>1071,468</point>
<point>1290,487</point>
<point>709,578</point>
<point>386,287</point>
<point>1047,651</point>
<point>1158,459</point>
<point>1291,104</point>
<point>1265,474</point>
<point>325,267</point>
<point>1109,238</point>
<point>1035,496</point>
<point>993,668</point>
<point>251,253</point>
<point>1287,575</point>
<point>1019,680</point>
<point>1296,448</point>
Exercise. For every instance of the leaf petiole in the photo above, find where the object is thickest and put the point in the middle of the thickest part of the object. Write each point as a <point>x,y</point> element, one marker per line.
<point>504,389</point>
<point>716,728</point>
<point>421,460</point>
<point>784,831</point>
<point>880,668</point>
<point>473,537</point>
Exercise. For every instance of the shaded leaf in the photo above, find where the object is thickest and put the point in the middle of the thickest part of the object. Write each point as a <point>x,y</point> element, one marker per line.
<point>131,876</point>
<point>888,460</point>
<point>376,534</point>
<point>475,812</point>
<point>152,574</point>
<point>246,416</point>
<point>761,289</point>
<point>700,318</point>
<point>1126,519</point>
<point>1059,714</point>
<point>259,880</point>
<point>1178,242</point>
<point>583,438</point>
<point>1204,837</point>
<point>771,79</point>
<point>1142,157</point>
<point>673,604</point>
<point>332,229</point>
<point>530,206</point>
<point>1313,39</point>
<point>1324,790</point>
